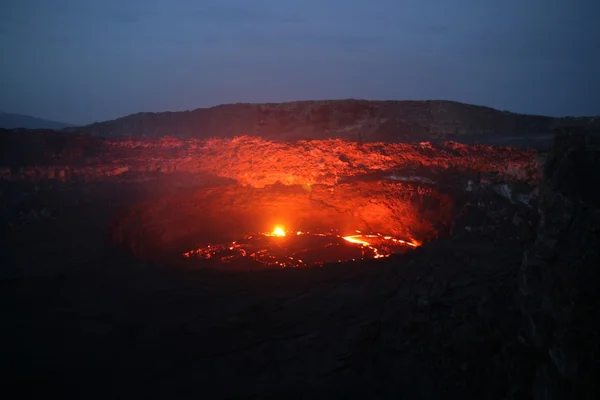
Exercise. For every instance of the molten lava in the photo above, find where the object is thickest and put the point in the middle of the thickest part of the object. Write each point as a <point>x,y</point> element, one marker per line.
<point>281,248</point>
<point>278,231</point>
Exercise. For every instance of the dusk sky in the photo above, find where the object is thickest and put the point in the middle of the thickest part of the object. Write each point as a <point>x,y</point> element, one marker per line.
<point>81,61</point>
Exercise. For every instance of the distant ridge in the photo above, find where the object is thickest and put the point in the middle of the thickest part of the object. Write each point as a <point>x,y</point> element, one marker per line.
<point>16,121</point>
<point>348,119</point>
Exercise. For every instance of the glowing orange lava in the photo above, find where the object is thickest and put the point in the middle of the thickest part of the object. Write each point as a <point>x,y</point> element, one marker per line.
<point>363,240</point>
<point>302,249</point>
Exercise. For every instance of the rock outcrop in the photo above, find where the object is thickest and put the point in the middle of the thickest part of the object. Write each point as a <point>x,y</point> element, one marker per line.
<point>559,275</point>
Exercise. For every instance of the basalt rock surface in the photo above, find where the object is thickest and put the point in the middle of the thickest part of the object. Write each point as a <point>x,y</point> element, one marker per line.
<point>559,275</point>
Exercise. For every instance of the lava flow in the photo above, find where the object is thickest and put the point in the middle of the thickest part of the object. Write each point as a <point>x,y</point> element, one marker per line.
<point>281,248</point>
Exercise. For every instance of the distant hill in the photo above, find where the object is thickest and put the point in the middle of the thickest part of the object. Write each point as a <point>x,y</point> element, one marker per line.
<point>15,121</point>
<point>349,119</point>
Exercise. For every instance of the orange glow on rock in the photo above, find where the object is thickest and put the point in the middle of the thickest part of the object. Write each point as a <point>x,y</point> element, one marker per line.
<point>260,162</point>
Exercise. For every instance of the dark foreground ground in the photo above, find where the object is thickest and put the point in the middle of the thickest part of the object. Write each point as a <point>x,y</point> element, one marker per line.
<point>503,308</point>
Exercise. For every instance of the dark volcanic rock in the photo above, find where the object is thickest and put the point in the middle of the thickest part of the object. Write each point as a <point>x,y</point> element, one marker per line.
<point>358,120</point>
<point>45,147</point>
<point>560,275</point>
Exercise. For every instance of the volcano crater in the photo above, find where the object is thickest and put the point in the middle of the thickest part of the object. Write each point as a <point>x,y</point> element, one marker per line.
<point>242,227</point>
<point>332,200</point>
